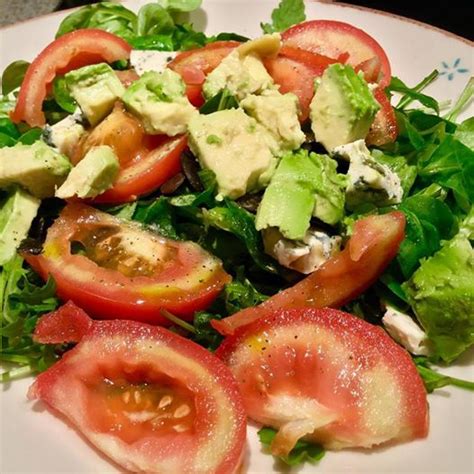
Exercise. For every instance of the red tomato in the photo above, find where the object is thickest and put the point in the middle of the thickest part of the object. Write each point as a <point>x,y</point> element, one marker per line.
<point>122,271</point>
<point>327,376</point>
<point>149,399</point>
<point>294,71</point>
<point>373,245</point>
<point>384,129</point>
<point>332,38</point>
<point>127,76</point>
<point>71,51</point>
<point>194,65</point>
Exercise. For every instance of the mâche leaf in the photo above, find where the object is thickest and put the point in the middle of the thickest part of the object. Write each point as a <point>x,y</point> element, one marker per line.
<point>288,13</point>
<point>13,75</point>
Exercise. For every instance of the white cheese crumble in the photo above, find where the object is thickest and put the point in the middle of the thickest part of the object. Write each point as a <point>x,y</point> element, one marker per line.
<point>143,61</point>
<point>406,332</point>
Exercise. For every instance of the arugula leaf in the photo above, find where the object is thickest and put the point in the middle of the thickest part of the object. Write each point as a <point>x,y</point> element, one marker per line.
<point>23,299</point>
<point>13,75</point>
<point>221,101</point>
<point>108,16</point>
<point>434,380</point>
<point>464,99</point>
<point>399,164</point>
<point>302,452</point>
<point>413,93</point>
<point>241,294</point>
<point>465,133</point>
<point>288,13</point>
<point>205,334</point>
<point>159,216</point>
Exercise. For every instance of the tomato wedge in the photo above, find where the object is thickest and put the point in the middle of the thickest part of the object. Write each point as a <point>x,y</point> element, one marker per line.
<point>327,376</point>
<point>149,399</point>
<point>194,65</point>
<point>374,243</point>
<point>384,129</point>
<point>70,51</point>
<point>332,38</point>
<point>117,270</point>
<point>146,162</point>
<point>294,71</point>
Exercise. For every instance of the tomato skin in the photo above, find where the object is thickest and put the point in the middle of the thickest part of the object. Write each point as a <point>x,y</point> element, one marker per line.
<point>188,282</point>
<point>332,38</point>
<point>346,370</point>
<point>374,243</point>
<point>147,173</point>
<point>118,351</point>
<point>384,129</point>
<point>70,51</point>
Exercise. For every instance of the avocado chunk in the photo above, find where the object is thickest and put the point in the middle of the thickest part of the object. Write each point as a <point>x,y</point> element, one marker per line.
<point>236,148</point>
<point>278,113</point>
<point>95,88</point>
<point>298,183</point>
<point>441,292</point>
<point>242,71</point>
<point>158,99</point>
<point>17,212</point>
<point>369,180</point>
<point>93,175</point>
<point>38,168</point>
<point>343,107</point>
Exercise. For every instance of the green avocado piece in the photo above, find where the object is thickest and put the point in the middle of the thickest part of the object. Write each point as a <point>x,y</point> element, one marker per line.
<point>343,107</point>
<point>303,184</point>
<point>158,100</point>
<point>95,88</point>
<point>17,211</point>
<point>38,168</point>
<point>441,292</point>
<point>93,175</point>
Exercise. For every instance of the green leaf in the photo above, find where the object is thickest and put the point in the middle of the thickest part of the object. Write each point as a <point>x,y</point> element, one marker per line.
<point>221,101</point>
<point>7,104</point>
<point>6,140</point>
<point>159,216</point>
<point>399,164</point>
<point>434,380</point>
<point>13,75</point>
<point>241,294</point>
<point>304,451</point>
<point>205,334</point>
<point>464,99</point>
<point>154,19</point>
<point>465,133</point>
<point>288,13</point>
<point>31,136</point>
<point>108,16</point>
<point>62,95</point>
<point>180,5</point>
<point>410,94</point>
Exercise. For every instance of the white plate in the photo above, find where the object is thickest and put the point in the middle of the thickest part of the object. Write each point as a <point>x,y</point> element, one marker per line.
<point>34,440</point>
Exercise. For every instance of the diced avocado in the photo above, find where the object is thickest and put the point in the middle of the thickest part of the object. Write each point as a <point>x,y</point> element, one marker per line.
<point>264,47</point>
<point>278,113</point>
<point>303,184</point>
<point>93,175</point>
<point>241,75</point>
<point>158,99</point>
<point>38,168</point>
<point>17,211</point>
<point>343,107</point>
<point>441,292</point>
<point>330,191</point>
<point>369,180</point>
<point>236,148</point>
<point>95,88</point>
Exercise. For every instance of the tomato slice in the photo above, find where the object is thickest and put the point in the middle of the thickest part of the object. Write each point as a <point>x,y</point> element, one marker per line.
<point>194,65</point>
<point>149,399</point>
<point>114,269</point>
<point>146,162</point>
<point>71,51</point>
<point>374,243</point>
<point>384,129</point>
<point>327,376</point>
<point>294,71</point>
<point>332,38</point>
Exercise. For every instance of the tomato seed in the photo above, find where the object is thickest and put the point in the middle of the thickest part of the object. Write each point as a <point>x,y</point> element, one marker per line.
<point>165,401</point>
<point>182,411</point>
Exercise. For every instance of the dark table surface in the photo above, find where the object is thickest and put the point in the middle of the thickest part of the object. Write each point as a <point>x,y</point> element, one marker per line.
<point>454,16</point>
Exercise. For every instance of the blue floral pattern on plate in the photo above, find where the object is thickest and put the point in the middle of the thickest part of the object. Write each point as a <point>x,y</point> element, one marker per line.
<point>449,70</point>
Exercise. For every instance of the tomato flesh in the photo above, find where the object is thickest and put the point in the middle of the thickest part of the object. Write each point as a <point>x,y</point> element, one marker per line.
<point>149,399</point>
<point>374,243</point>
<point>332,38</point>
<point>327,376</point>
<point>117,270</point>
<point>384,129</point>
<point>70,51</point>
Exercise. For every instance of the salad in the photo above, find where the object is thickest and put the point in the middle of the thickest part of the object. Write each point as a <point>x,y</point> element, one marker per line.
<point>199,231</point>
